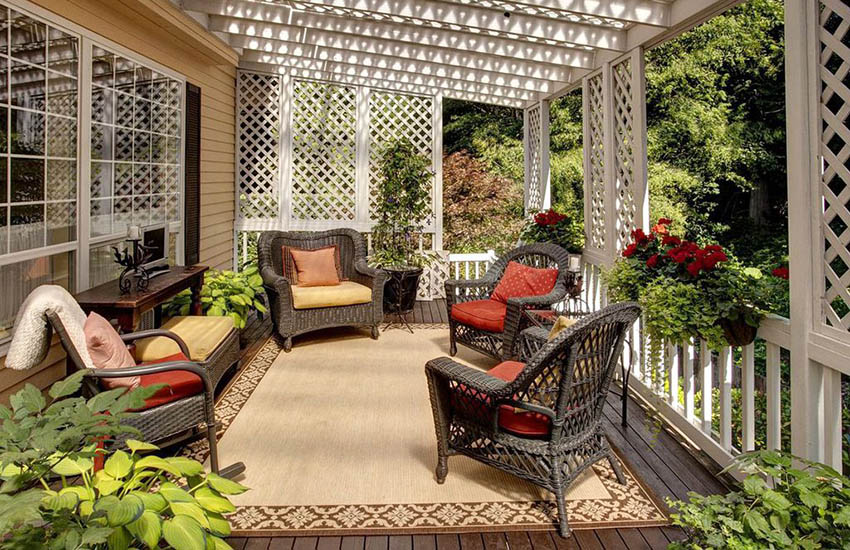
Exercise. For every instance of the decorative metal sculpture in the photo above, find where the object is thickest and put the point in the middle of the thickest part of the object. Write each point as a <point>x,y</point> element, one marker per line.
<point>133,266</point>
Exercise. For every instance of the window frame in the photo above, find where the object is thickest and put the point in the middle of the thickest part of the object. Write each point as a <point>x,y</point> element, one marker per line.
<point>83,243</point>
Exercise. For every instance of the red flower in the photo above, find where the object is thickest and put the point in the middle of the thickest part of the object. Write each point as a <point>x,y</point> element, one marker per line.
<point>694,267</point>
<point>549,217</point>
<point>664,221</point>
<point>630,250</point>
<point>670,239</point>
<point>639,236</point>
<point>652,261</point>
<point>781,272</point>
<point>714,248</point>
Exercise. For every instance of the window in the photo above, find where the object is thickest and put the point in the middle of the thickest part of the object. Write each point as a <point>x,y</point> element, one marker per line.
<point>135,145</point>
<point>38,134</point>
<point>133,149</point>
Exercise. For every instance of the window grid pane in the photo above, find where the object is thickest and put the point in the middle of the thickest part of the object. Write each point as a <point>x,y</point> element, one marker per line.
<point>135,141</point>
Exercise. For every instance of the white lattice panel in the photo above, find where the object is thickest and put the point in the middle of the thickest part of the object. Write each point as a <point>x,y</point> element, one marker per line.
<point>835,149</point>
<point>324,158</point>
<point>625,193</point>
<point>392,116</point>
<point>534,198</point>
<point>595,179</point>
<point>259,122</point>
<point>433,279</point>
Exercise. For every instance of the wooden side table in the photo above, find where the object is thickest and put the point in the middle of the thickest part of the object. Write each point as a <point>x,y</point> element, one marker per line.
<point>127,309</point>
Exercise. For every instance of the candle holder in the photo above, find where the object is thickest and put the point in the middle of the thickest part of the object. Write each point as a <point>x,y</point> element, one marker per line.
<point>133,265</point>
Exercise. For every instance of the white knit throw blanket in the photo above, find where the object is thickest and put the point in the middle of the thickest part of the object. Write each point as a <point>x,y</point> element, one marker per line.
<point>31,340</point>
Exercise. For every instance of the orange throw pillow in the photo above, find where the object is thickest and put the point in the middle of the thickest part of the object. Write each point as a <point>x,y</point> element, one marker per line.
<point>316,267</point>
<point>520,280</point>
<point>108,351</point>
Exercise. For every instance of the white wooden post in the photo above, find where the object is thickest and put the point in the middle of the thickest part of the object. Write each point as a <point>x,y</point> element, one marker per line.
<point>438,171</point>
<point>285,172</point>
<point>802,99</point>
<point>610,172</point>
<point>543,154</point>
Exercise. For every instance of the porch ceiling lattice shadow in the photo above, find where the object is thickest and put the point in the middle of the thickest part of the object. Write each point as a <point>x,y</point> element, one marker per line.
<point>506,52</point>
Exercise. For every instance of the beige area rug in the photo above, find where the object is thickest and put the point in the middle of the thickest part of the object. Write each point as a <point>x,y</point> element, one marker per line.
<point>338,438</point>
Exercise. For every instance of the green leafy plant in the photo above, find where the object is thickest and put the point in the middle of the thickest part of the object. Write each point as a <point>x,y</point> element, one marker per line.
<point>54,496</point>
<point>807,508</point>
<point>553,227</point>
<point>225,293</point>
<point>403,205</point>
<point>687,290</point>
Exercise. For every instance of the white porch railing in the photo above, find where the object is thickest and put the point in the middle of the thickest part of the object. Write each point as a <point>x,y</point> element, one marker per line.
<point>470,266</point>
<point>676,385</point>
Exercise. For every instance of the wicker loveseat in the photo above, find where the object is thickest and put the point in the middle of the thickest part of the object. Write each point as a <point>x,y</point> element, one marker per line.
<point>541,420</point>
<point>496,335</point>
<point>291,319</point>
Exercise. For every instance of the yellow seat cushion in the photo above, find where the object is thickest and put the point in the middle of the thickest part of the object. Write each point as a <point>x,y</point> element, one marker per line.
<point>346,293</point>
<point>201,334</point>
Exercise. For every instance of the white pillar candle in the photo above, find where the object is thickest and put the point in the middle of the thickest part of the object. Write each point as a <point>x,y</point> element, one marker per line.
<point>575,262</point>
<point>134,233</point>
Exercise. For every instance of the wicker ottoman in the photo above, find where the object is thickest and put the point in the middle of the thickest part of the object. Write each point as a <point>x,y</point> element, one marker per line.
<point>213,342</point>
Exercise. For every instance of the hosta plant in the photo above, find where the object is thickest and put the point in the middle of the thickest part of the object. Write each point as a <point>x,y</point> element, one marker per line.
<point>808,507</point>
<point>54,496</point>
<point>225,293</point>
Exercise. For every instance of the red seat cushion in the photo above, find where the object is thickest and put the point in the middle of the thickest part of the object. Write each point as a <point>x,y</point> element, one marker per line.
<point>179,383</point>
<point>520,280</point>
<point>486,315</point>
<point>518,422</point>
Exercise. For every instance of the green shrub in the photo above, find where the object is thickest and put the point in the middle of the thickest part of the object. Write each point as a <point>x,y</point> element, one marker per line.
<point>808,508</point>
<point>225,293</point>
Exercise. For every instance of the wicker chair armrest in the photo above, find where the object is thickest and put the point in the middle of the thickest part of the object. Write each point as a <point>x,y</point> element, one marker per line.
<point>470,290</point>
<point>377,275</point>
<point>142,370</point>
<point>273,279</point>
<point>530,407</point>
<point>133,336</point>
<point>524,302</point>
<point>471,378</point>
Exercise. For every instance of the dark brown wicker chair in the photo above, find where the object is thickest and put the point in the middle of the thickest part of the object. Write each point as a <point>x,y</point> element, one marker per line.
<point>288,321</point>
<point>564,385</point>
<point>166,424</point>
<point>502,345</point>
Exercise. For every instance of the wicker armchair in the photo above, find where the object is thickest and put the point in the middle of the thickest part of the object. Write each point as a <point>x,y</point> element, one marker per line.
<point>563,389</point>
<point>288,321</point>
<point>502,345</point>
<point>164,424</point>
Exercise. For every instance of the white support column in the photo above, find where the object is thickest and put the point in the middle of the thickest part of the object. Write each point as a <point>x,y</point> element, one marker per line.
<point>802,97</point>
<point>285,175</point>
<point>526,157</point>
<point>545,178</point>
<point>361,139</point>
<point>438,171</point>
<point>641,170</point>
<point>610,177</point>
<point>84,168</point>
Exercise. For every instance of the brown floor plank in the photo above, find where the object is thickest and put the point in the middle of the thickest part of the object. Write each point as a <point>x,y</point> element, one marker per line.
<point>494,541</point>
<point>257,543</point>
<point>400,542</point>
<point>424,542</point>
<point>633,539</point>
<point>609,538</point>
<point>587,540</point>
<point>352,543</point>
<point>518,540</point>
<point>305,543</point>
<point>654,537</point>
<point>541,540</point>
<point>561,543</point>
<point>282,543</point>
<point>448,542</point>
<point>471,541</point>
<point>376,543</point>
<point>238,543</point>
<point>673,533</point>
<point>329,543</point>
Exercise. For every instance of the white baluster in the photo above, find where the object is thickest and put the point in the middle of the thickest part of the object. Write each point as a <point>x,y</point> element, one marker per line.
<point>748,427</point>
<point>673,374</point>
<point>705,369</point>
<point>726,398</point>
<point>774,397</point>
<point>689,381</point>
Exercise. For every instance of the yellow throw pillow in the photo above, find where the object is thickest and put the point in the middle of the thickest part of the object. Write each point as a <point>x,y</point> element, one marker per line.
<point>561,323</point>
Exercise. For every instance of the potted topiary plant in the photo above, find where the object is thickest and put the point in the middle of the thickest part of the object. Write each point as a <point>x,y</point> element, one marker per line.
<point>403,208</point>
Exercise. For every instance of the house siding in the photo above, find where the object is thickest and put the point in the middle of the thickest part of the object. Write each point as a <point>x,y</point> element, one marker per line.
<point>157,30</point>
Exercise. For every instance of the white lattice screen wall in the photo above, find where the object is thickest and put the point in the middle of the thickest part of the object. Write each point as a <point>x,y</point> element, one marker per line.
<point>835,151</point>
<point>307,150</point>
<point>533,144</point>
<point>615,175</point>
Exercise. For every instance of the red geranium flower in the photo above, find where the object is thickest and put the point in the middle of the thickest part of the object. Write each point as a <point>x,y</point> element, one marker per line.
<point>630,250</point>
<point>639,236</point>
<point>664,221</point>
<point>652,261</point>
<point>694,267</point>
<point>781,272</point>
<point>670,239</point>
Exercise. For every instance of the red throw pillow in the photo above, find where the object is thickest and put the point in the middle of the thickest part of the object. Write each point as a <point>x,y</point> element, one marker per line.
<point>520,280</point>
<point>291,272</point>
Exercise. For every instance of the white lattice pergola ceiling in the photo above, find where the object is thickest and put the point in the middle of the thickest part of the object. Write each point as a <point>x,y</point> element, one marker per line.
<point>505,52</point>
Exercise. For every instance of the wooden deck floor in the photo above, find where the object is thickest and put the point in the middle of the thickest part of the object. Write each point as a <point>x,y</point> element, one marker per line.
<point>659,458</point>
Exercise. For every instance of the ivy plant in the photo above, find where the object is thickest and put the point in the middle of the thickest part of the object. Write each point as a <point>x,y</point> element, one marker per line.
<point>808,507</point>
<point>53,495</point>
<point>403,205</point>
<point>225,293</point>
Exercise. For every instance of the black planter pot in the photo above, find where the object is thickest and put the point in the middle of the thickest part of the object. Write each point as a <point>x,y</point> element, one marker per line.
<point>400,290</point>
<point>738,332</point>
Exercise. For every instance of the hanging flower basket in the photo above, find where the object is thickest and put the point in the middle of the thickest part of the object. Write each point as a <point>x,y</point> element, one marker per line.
<point>737,331</point>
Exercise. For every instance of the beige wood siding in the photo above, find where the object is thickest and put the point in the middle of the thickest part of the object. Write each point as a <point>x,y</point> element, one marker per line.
<point>158,31</point>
